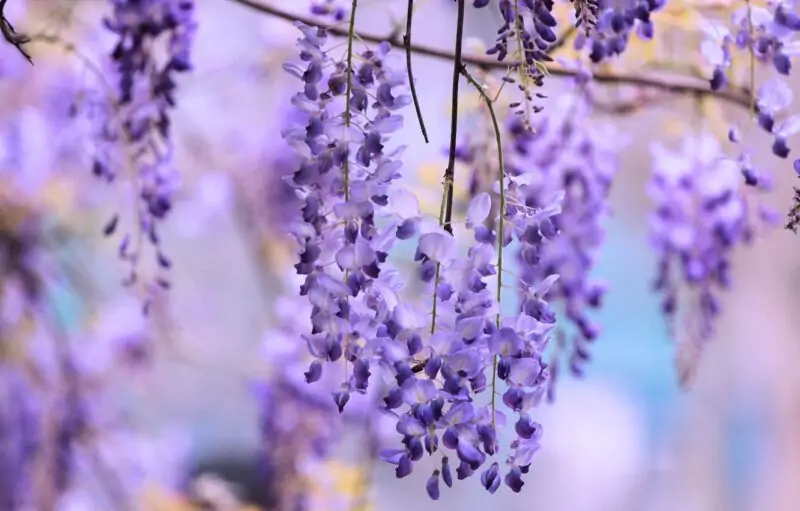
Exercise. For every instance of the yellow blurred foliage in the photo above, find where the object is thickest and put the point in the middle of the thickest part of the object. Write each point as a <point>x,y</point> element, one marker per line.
<point>155,498</point>
<point>345,481</point>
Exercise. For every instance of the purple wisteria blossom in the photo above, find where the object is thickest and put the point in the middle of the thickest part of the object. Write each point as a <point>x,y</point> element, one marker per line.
<point>527,32</point>
<point>773,31</point>
<point>764,35</point>
<point>579,158</point>
<point>430,365</point>
<point>702,215</point>
<point>467,349</point>
<point>615,25</point>
<point>138,119</point>
<point>343,179</point>
<point>337,10</point>
<point>300,424</point>
<point>716,49</point>
<point>20,437</point>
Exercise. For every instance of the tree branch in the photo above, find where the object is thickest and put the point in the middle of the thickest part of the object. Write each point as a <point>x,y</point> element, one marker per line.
<point>11,36</point>
<point>672,84</point>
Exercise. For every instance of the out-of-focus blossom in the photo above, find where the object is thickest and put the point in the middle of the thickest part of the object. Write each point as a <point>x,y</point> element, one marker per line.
<point>701,217</point>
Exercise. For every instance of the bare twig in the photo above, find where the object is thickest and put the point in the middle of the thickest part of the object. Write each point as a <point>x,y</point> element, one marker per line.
<point>11,36</point>
<point>407,44</point>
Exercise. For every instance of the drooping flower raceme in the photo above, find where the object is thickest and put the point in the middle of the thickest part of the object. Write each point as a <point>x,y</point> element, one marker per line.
<point>764,35</point>
<point>344,179</point>
<point>139,117</point>
<point>465,349</point>
<point>20,437</point>
<point>430,365</point>
<point>701,216</point>
<point>580,159</point>
<point>528,31</point>
<point>300,424</point>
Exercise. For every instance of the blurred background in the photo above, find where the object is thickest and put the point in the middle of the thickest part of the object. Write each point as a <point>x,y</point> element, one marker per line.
<point>179,389</point>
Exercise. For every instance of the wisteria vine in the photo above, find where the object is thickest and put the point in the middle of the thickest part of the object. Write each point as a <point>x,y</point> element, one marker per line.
<point>434,341</point>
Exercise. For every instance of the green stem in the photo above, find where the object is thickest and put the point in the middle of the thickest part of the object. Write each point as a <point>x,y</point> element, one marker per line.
<point>438,265</point>
<point>347,119</point>
<point>349,91</point>
<point>500,226</point>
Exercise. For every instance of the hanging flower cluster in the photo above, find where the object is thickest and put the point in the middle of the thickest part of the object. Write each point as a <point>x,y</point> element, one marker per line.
<point>430,365</point>
<point>580,158</point>
<point>564,153</point>
<point>299,422</point>
<point>138,118</point>
<point>344,181</point>
<point>701,216</point>
<point>767,36</point>
<point>614,25</point>
<point>355,342</point>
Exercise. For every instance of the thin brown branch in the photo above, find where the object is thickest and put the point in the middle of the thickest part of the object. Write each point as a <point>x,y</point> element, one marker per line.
<point>407,44</point>
<point>11,36</point>
<point>449,173</point>
<point>672,84</point>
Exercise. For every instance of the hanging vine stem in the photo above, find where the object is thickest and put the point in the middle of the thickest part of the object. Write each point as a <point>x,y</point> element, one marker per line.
<point>407,44</point>
<point>449,173</point>
<point>349,91</point>
<point>446,211</point>
<point>500,233</point>
<point>351,33</point>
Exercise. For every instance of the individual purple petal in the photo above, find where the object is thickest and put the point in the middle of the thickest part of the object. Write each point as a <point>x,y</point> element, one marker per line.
<point>392,455</point>
<point>404,467</point>
<point>447,475</point>
<point>410,426</point>
<point>354,257</point>
<point>505,342</point>
<point>314,372</point>
<point>416,391</point>
<point>514,479</point>
<point>437,246</point>
<point>773,96</point>
<point>479,208</point>
<point>341,398</point>
<point>465,362</point>
<point>404,204</point>
<point>526,427</point>
<point>470,454</point>
<point>432,486</point>
<point>490,478</point>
